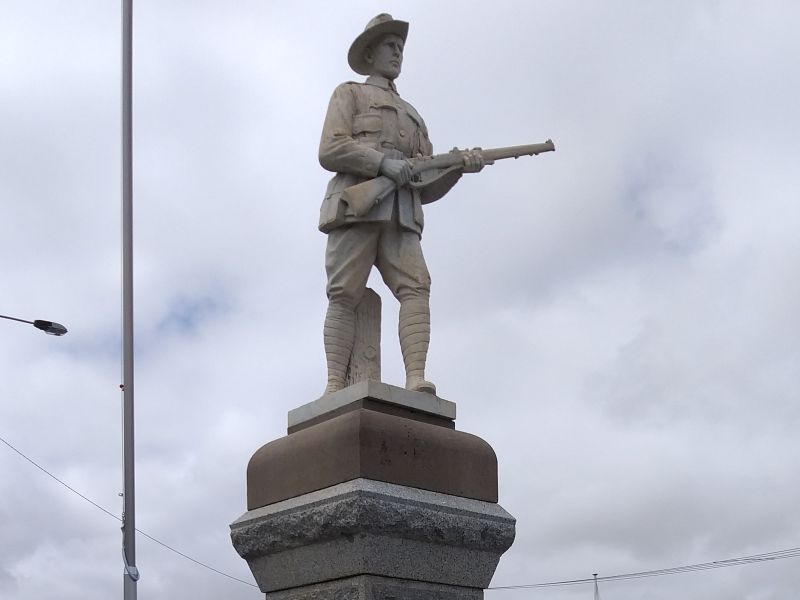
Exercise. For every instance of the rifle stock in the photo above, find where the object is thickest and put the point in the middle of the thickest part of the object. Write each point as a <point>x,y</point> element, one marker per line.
<point>363,196</point>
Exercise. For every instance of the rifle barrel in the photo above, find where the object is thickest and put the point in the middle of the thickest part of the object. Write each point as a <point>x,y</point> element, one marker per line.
<point>456,157</point>
<point>517,151</point>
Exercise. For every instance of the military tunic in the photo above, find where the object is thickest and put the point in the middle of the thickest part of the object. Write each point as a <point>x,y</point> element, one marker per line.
<point>365,123</point>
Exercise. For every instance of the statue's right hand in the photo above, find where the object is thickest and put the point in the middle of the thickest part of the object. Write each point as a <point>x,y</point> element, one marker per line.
<point>398,171</point>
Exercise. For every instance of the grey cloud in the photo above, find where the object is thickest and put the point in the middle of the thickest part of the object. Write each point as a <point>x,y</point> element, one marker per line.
<point>618,318</point>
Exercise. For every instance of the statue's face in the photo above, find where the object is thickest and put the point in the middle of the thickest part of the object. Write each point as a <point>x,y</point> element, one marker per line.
<point>386,56</point>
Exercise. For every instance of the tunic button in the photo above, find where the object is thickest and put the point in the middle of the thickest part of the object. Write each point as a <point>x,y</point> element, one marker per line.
<point>402,133</point>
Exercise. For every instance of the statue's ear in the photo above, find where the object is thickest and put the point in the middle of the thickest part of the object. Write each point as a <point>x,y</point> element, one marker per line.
<point>369,55</point>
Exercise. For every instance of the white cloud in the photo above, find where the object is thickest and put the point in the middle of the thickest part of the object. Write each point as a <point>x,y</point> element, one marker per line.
<point>618,318</point>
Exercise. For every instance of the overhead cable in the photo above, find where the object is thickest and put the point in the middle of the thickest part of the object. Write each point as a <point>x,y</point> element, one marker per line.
<point>717,564</point>
<point>111,514</point>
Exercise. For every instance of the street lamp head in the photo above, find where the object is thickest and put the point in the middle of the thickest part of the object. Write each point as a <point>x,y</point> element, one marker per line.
<point>46,326</point>
<point>50,327</point>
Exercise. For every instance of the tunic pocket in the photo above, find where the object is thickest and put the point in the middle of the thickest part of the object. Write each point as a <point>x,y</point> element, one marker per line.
<point>367,124</point>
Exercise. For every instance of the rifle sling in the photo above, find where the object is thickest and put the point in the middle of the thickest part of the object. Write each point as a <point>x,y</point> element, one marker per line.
<point>426,183</point>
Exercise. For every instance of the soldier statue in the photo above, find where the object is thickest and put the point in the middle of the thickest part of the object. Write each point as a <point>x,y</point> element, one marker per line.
<point>371,131</point>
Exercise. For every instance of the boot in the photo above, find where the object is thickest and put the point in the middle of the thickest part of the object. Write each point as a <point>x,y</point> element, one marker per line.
<point>415,334</point>
<point>339,335</point>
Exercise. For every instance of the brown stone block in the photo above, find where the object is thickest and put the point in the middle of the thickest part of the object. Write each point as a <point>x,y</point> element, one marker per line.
<point>372,445</point>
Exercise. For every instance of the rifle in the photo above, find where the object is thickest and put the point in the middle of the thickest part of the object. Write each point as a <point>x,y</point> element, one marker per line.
<point>363,196</point>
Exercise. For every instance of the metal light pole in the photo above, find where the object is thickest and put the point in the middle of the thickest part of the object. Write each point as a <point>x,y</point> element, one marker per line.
<point>50,327</point>
<point>131,575</point>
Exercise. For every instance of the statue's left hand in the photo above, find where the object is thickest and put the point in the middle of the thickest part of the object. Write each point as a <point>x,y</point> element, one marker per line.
<point>473,160</point>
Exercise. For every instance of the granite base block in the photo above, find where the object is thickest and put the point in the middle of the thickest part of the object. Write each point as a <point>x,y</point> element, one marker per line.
<point>372,587</point>
<point>366,527</point>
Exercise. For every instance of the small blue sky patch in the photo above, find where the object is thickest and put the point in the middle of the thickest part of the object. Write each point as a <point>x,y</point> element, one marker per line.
<point>186,314</point>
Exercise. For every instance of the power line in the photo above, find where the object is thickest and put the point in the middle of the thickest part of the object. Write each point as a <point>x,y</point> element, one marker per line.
<point>111,514</point>
<point>194,560</point>
<point>49,474</point>
<point>717,564</point>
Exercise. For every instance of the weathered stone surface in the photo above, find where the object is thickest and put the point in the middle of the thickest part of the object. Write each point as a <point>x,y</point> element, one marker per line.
<point>365,359</point>
<point>369,527</point>
<point>372,211</point>
<point>377,406</point>
<point>372,445</point>
<point>372,587</point>
<point>373,390</point>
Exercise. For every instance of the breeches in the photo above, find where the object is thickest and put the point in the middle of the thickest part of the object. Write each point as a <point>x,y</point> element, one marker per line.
<point>352,251</point>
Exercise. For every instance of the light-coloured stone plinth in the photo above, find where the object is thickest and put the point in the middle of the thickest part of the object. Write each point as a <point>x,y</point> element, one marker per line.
<point>375,390</point>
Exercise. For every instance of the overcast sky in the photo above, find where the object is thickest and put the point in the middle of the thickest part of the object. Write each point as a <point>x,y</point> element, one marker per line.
<point>619,319</point>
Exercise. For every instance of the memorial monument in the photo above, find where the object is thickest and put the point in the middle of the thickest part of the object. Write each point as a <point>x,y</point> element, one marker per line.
<point>374,494</point>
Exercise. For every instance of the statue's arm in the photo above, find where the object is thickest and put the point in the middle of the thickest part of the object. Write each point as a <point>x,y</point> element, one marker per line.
<point>338,150</point>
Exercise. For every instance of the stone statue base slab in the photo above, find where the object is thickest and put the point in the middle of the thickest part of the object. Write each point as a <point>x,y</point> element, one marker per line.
<point>372,587</point>
<point>330,405</point>
<point>365,527</point>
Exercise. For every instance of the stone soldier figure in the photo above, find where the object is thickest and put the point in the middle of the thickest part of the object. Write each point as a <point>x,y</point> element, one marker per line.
<point>370,131</point>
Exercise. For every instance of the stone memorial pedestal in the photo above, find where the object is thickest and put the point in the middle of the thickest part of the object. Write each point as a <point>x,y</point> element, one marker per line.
<point>373,494</point>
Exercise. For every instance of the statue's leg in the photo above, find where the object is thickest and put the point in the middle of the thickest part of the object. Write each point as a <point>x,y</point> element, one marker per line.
<point>338,336</point>
<point>349,257</point>
<point>402,266</point>
<point>415,334</point>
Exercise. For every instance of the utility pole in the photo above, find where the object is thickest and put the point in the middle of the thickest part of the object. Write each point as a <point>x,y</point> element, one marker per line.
<point>131,575</point>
